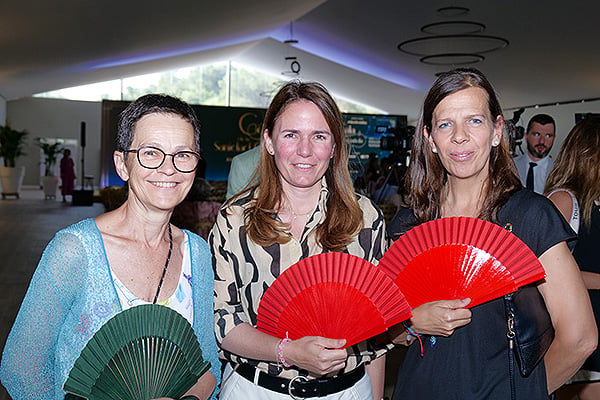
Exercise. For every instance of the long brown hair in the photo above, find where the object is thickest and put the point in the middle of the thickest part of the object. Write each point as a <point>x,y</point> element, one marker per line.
<point>343,216</point>
<point>577,167</point>
<point>426,175</point>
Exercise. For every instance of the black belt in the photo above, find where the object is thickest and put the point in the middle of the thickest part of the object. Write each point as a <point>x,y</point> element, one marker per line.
<point>302,386</point>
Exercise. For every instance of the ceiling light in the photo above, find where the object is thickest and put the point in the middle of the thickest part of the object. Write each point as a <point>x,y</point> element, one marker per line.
<point>294,66</point>
<point>454,42</point>
<point>440,44</point>
<point>291,40</point>
<point>291,61</point>
<point>452,59</point>
<point>453,11</point>
<point>453,28</point>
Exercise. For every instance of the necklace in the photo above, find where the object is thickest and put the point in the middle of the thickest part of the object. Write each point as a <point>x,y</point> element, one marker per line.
<point>295,215</point>
<point>162,278</point>
<point>452,208</point>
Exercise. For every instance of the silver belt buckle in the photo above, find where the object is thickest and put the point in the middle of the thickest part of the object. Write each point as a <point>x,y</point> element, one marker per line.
<point>299,378</point>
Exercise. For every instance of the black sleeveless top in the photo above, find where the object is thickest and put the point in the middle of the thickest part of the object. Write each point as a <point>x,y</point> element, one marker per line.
<point>587,255</point>
<point>473,362</point>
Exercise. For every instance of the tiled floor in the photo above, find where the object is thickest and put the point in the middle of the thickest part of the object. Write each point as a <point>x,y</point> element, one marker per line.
<point>26,226</point>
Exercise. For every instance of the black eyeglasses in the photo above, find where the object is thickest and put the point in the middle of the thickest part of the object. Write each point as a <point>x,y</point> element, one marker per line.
<point>152,158</point>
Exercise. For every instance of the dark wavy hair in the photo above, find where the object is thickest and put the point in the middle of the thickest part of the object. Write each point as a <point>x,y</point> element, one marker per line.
<point>343,216</point>
<point>427,176</point>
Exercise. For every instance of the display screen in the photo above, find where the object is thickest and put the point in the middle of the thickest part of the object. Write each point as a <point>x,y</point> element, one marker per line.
<point>364,133</point>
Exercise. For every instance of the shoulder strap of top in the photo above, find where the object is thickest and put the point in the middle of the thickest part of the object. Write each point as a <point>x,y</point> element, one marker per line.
<point>574,221</point>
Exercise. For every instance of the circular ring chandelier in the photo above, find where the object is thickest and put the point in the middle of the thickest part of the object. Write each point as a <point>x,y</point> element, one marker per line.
<point>440,44</point>
<point>453,27</point>
<point>452,59</point>
<point>456,42</point>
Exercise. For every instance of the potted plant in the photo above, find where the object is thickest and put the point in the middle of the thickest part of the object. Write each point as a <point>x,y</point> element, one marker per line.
<point>12,142</point>
<point>51,152</point>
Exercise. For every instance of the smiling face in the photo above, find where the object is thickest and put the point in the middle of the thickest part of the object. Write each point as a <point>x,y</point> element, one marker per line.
<point>463,133</point>
<point>165,187</point>
<point>301,144</point>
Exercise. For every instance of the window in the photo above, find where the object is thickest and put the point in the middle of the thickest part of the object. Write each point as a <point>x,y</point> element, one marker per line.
<point>219,84</point>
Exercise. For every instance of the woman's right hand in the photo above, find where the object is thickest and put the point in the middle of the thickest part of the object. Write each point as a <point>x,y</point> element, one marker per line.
<point>440,318</point>
<point>316,354</point>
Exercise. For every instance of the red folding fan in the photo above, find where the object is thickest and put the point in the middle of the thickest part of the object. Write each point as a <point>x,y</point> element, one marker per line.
<point>333,295</point>
<point>459,257</point>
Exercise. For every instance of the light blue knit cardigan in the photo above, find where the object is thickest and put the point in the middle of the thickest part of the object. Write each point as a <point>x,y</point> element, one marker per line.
<point>71,295</point>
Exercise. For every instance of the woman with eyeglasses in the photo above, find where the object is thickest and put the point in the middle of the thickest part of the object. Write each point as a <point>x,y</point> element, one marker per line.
<point>96,268</point>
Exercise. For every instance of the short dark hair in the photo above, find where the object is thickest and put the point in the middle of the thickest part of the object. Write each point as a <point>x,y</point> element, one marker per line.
<point>542,119</point>
<point>150,104</point>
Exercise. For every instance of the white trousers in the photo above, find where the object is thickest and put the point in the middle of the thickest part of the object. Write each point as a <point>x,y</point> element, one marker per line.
<point>236,387</point>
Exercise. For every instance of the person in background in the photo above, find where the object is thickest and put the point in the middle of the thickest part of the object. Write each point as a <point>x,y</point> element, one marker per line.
<point>243,167</point>
<point>371,173</point>
<point>574,187</point>
<point>360,186</point>
<point>302,204</point>
<point>94,269</point>
<point>67,174</point>
<point>535,164</point>
<point>461,166</point>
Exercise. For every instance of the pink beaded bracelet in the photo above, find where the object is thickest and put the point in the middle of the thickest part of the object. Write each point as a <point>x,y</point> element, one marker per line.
<point>282,342</point>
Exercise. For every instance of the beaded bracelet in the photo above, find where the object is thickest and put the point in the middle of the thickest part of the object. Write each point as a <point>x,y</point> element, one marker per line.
<point>411,334</point>
<point>282,342</point>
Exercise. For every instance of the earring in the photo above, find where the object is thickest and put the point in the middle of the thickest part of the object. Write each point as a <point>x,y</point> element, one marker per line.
<point>496,143</point>
<point>434,149</point>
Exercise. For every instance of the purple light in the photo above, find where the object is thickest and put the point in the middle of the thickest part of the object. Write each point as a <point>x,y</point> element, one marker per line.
<point>171,52</point>
<point>319,44</point>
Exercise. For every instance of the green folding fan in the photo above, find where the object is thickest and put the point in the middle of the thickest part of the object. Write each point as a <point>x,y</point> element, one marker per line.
<point>145,352</point>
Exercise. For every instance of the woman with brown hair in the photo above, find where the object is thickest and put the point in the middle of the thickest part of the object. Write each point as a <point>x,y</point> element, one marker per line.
<point>461,166</point>
<point>303,204</point>
<point>574,187</point>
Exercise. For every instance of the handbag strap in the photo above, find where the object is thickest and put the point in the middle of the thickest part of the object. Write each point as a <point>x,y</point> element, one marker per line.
<point>510,335</point>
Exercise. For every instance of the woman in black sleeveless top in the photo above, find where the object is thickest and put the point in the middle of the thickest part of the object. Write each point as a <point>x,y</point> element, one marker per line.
<point>461,166</point>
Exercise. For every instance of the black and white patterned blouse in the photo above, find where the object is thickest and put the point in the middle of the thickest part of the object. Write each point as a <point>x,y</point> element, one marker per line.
<point>244,270</point>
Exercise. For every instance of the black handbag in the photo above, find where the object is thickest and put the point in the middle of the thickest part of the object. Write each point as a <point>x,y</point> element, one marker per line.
<point>530,330</point>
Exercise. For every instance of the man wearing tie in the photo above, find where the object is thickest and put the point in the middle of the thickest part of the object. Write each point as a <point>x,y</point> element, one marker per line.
<point>535,165</point>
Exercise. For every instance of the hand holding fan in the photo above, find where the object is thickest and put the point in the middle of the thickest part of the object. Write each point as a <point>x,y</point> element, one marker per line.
<point>460,257</point>
<point>144,352</point>
<point>333,295</point>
